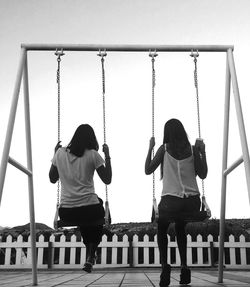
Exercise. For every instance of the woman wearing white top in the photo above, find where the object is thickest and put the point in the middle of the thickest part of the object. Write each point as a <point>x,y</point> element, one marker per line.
<point>180,163</point>
<point>75,166</point>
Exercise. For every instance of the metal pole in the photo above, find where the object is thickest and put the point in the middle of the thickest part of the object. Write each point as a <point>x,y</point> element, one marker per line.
<point>11,122</point>
<point>29,165</point>
<point>243,137</point>
<point>19,166</point>
<point>233,166</point>
<point>224,177</point>
<point>127,48</point>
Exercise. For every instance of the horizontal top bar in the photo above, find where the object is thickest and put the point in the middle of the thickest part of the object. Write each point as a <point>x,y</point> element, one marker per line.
<point>127,48</point>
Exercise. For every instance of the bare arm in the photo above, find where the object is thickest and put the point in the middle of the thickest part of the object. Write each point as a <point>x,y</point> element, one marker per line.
<point>152,164</point>
<point>53,174</point>
<point>105,171</point>
<point>200,161</point>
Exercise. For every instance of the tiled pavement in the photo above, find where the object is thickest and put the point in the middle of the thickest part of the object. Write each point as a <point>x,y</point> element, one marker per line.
<point>121,278</point>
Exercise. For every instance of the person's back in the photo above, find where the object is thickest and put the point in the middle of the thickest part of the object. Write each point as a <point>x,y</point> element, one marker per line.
<point>76,175</point>
<point>179,177</point>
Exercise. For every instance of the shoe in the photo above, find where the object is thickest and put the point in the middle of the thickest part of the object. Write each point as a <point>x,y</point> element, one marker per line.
<point>88,267</point>
<point>165,276</point>
<point>185,277</point>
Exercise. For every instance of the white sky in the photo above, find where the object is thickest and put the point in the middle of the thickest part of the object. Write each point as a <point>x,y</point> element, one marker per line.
<point>128,88</point>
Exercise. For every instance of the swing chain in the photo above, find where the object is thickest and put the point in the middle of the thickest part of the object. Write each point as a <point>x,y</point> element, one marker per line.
<point>195,56</point>
<point>103,54</point>
<point>59,54</point>
<point>153,55</point>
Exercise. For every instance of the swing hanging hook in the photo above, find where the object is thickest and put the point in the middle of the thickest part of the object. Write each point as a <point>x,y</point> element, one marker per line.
<point>59,54</point>
<point>195,54</point>
<point>153,54</point>
<point>102,54</point>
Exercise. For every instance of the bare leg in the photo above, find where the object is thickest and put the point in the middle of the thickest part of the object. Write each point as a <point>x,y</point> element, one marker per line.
<point>185,277</point>
<point>181,241</point>
<point>162,241</point>
<point>91,238</point>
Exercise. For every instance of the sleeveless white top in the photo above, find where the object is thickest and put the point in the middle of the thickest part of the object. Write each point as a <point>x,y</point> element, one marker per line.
<point>179,177</point>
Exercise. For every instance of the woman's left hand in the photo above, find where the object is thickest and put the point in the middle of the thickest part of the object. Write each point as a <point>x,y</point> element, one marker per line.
<point>105,149</point>
<point>58,145</point>
<point>151,143</point>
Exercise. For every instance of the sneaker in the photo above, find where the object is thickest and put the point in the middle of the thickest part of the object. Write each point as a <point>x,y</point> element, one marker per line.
<point>165,276</point>
<point>185,277</point>
<point>88,267</point>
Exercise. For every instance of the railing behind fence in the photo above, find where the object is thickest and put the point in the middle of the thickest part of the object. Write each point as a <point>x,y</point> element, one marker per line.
<point>124,252</point>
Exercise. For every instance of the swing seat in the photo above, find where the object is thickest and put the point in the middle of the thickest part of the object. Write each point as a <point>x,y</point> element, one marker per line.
<point>58,224</point>
<point>62,223</point>
<point>197,216</point>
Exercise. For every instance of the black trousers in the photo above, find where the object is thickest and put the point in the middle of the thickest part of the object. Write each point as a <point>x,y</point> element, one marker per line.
<point>174,205</point>
<point>89,218</point>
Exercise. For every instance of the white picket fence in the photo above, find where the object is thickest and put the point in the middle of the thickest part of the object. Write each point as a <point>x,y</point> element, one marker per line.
<point>120,253</point>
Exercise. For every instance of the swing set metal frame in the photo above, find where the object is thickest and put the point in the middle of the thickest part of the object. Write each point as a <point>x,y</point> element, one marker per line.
<point>22,75</point>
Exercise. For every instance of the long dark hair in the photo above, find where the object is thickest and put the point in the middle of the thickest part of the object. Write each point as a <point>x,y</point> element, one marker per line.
<point>83,138</point>
<point>176,139</point>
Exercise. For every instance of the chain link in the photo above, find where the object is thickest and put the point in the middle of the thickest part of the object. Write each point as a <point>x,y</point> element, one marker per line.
<point>153,55</point>
<point>58,81</point>
<point>103,55</point>
<point>195,56</point>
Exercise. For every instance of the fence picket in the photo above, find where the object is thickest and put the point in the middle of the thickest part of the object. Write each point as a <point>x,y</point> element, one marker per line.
<point>40,251</point>
<point>8,251</point>
<point>104,250</point>
<point>243,253</point>
<point>29,260</point>
<point>156,252</point>
<point>73,250</point>
<point>146,250</point>
<point>19,250</point>
<point>232,250</point>
<point>189,251</point>
<point>62,250</point>
<point>199,240</point>
<point>114,250</point>
<point>125,242</point>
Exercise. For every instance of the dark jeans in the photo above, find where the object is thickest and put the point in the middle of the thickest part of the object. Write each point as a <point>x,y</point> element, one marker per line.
<point>174,205</point>
<point>89,218</point>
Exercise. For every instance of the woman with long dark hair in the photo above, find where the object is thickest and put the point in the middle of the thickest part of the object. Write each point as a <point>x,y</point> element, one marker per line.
<point>180,163</point>
<point>75,165</point>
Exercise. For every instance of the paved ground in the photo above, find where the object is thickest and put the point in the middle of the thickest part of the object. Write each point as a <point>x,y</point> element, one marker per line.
<point>120,278</point>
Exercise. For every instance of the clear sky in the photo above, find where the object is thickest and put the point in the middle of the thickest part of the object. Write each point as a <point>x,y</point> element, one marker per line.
<point>128,89</point>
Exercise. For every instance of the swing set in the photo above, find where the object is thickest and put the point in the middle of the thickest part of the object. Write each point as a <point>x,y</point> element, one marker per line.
<point>231,78</point>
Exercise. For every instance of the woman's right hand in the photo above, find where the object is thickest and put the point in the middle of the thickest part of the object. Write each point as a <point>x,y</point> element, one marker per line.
<point>199,144</point>
<point>105,149</point>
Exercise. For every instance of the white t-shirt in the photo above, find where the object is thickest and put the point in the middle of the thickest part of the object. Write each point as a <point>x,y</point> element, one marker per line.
<point>76,176</point>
